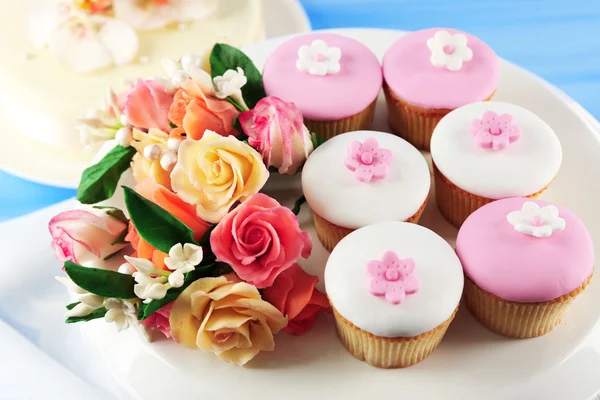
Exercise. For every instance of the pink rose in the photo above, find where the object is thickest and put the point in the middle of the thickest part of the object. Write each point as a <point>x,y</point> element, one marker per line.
<point>84,235</point>
<point>276,129</point>
<point>159,321</point>
<point>148,105</point>
<point>260,239</point>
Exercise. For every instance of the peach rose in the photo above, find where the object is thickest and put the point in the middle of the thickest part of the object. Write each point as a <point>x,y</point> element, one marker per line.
<point>226,317</point>
<point>260,239</point>
<point>216,172</point>
<point>196,112</point>
<point>181,210</point>
<point>295,295</point>
<point>148,105</point>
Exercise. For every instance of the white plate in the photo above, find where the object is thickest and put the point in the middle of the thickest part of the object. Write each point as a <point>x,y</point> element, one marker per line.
<point>42,164</point>
<point>471,362</point>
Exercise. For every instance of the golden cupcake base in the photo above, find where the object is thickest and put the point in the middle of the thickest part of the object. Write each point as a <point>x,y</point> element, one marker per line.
<point>514,319</point>
<point>327,129</point>
<point>330,234</point>
<point>412,123</point>
<point>384,352</point>
<point>456,204</point>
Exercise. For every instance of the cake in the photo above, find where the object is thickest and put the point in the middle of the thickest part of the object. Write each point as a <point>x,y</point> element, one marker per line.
<point>333,79</point>
<point>44,100</point>
<point>394,288</point>
<point>363,177</point>
<point>491,150</point>
<point>525,261</point>
<point>431,72</point>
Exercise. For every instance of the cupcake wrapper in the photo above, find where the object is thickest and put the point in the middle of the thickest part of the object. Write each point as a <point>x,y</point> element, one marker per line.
<point>330,234</point>
<point>456,204</point>
<point>414,124</point>
<point>384,352</point>
<point>514,319</point>
<point>327,129</point>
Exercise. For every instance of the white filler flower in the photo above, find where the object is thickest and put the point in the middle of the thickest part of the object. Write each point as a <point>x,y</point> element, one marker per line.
<point>319,59</point>
<point>448,50</point>
<point>535,221</point>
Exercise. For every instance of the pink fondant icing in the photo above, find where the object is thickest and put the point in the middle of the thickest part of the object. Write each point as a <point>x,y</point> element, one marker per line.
<point>392,277</point>
<point>367,160</point>
<point>329,97</point>
<point>495,131</point>
<point>520,267</point>
<point>408,71</point>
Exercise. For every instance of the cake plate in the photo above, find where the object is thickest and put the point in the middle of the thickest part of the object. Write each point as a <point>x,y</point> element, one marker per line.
<point>470,363</point>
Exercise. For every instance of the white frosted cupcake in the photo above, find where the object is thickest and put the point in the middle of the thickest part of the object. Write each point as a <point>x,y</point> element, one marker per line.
<point>364,177</point>
<point>394,288</point>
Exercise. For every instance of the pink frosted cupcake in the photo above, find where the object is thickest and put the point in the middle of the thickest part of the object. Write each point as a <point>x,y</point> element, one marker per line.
<point>333,79</point>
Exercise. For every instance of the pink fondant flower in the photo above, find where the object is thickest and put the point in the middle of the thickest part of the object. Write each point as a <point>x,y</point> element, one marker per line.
<point>392,277</point>
<point>367,160</point>
<point>159,321</point>
<point>148,105</point>
<point>495,131</point>
<point>276,129</point>
<point>260,239</point>
<point>84,235</point>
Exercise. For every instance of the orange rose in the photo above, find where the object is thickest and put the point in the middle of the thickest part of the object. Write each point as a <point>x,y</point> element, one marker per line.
<point>294,294</point>
<point>195,112</point>
<point>181,210</point>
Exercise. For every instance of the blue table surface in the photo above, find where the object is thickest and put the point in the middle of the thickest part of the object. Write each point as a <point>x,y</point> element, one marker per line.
<point>556,39</point>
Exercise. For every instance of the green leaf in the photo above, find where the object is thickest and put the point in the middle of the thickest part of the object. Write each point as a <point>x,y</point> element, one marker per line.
<point>298,205</point>
<point>145,310</point>
<point>205,239</point>
<point>154,224</point>
<point>99,313</point>
<point>316,141</point>
<point>224,57</point>
<point>99,181</point>
<point>72,305</point>
<point>101,282</point>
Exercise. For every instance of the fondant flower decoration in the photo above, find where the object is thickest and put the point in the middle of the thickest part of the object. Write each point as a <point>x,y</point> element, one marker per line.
<point>495,131</point>
<point>367,160</point>
<point>319,59</point>
<point>392,277</point>
<point>536,221</point>
<point>230,85</point>
<point>190,66</point>
<point>449,51</point>
<point>153,14</point>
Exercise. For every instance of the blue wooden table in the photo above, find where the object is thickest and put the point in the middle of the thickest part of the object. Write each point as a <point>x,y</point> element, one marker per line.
<point>558,40</point>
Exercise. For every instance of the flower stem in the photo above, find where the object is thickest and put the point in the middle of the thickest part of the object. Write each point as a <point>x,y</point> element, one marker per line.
<point>298,205</point>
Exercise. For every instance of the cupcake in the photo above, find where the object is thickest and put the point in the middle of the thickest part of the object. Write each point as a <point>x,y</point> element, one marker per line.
<point>525,261</point>
<point>394,288</point>
<point>333,79</point>
<point>431,72</point>
<point>363,177</point>
<point>486,151</point>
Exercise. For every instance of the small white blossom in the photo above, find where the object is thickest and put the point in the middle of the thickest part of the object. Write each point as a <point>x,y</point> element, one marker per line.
<point>121,312</point>
<point>319,59</point>
<point>230,85</point>
<point>189,67</point>
<point>448,50</point>
<point>535,221</point>
<point>151,284</point>
<point>181,260</point>
<point>88,302</point>
<point>102,123</point>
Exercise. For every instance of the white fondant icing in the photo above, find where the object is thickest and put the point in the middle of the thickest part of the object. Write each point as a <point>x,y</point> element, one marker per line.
<point>335,194</point>
<point>41,99</point>
<point>319,59</point>
<point>522,169</point>
<point>449,51</point>
<point>437,267</point>
<point>536,221</point>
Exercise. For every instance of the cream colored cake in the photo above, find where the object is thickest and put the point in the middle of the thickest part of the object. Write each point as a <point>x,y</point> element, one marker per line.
<point>42,100</point>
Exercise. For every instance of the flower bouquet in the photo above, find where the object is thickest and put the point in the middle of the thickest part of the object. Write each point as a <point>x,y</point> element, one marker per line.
<point>206,259</point>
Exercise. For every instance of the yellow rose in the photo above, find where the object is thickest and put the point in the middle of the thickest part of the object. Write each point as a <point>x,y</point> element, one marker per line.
<point>144,168</point>
<point>215,172</point>
<point>227,317</point>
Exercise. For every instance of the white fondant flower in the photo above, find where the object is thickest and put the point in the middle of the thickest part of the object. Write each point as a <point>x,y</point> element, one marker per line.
<point>448,50</point>
<point>104,123</point>
<point>230,85</point>
<point>152,14</point>
<point>319,59</point>
<point>535,221</point>
<point>189,67</point>
<point>151,283</point>
<point>80,41</point>
<point>88,302</point>
<point>181,260</point>
<point>121,312</point>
